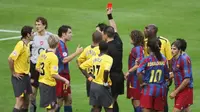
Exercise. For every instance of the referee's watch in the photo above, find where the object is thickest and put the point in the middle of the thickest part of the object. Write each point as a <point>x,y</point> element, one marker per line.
<point>105,84</point>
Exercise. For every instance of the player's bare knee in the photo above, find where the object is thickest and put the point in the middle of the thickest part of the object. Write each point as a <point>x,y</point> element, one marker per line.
<point>176,110</point>
<point>136,103</point>
<point>68,100</point>
<point>19,102</point>
<point>60,102</point>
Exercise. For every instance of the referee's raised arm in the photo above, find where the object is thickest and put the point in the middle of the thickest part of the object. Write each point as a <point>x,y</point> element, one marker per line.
<point>110,18</point>
<point>114,25</point>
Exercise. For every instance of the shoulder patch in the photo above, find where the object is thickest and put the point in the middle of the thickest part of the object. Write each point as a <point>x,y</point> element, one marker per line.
<point>55,68</point>
<point>14,53</point>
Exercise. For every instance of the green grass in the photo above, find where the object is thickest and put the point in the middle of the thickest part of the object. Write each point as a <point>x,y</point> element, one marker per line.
<point>175,19</point>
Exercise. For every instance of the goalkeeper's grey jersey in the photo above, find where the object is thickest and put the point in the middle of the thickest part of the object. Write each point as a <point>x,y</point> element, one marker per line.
<point>39,44</point>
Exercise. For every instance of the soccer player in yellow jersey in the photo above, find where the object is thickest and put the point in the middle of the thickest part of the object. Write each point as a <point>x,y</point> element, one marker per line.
<point>150,32</point>
<point>47,66</point>
<point>100,92</point>
<point>88,52</point>
<point>19,61</point>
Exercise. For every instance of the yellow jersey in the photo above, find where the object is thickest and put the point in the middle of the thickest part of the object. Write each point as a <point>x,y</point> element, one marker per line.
<point>165,47</point>
<point>99,64</point>
<point>47,63</point>
<point>21,57</point>
<point>87,53</point>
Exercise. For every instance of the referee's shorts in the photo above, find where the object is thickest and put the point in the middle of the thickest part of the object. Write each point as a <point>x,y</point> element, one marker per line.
<point>117,79</point>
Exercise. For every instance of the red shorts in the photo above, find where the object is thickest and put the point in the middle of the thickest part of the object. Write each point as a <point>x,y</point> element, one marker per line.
<point>132,92</point>
<point>150,102</point>
<point>61,88</point>
<point>184,99</point>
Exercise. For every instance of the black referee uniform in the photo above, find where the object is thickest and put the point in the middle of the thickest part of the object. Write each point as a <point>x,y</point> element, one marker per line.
<point>115,50</point>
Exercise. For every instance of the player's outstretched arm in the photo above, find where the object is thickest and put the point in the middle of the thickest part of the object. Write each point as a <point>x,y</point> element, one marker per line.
<point>131,70</point>
<point>58,77</point>
<point>78,51</point>
<point>110,18</point>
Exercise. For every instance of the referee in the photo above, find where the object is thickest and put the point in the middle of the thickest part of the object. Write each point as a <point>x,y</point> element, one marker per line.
<point>115,50</point>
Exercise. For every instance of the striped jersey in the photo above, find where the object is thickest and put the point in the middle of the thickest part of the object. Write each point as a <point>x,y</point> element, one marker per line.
<point>62,52</point>
<point>182,68</point>
<point>136,54</point>
<point>154,74</point>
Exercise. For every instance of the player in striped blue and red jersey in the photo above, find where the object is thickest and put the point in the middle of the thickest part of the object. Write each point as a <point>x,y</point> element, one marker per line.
<point>63,92</point>
<point>182,70</point>
<point>136,54</point>
<point>152,74</point>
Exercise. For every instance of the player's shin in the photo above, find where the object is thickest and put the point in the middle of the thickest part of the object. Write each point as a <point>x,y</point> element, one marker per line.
<point>68,103</point>
<point>33,106</point>
<point>59,105</point>
<point>19,103</point>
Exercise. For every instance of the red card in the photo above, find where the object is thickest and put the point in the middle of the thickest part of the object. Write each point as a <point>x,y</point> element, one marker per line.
<point>109,5</point>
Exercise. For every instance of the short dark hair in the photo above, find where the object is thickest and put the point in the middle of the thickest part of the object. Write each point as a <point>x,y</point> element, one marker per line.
<point>63,29</point>
<point>183,43</point>
<point>43,21</point>
<point>103,46</point>
<point>154,27</point>
<point>101,26</point>
<point>177,44</point>
<point>26,30</point>
<point>109,31</point>
<point>137,37</point>
<point>96,37</point>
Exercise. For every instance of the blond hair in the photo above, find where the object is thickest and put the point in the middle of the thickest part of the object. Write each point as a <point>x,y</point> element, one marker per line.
<point>53,41</point>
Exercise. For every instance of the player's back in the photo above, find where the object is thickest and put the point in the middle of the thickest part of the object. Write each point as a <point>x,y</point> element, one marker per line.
<point>155,73</point>
<point>155,70</point>
<point>100,64</point>
<point>48,65</point>
<point>88,52</point>
<point>39,44</point>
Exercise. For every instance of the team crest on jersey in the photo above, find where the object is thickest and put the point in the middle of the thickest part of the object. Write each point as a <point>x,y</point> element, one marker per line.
<point>14,53</point>
<point>55,68</point>
<point>177,66</point>
<point>64,54</point>
<point>41,42</point>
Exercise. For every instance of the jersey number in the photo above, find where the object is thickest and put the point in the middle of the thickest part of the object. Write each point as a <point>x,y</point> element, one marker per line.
<point>42,69</point>
<point>96,69</point>
<point>90,71</point>
<point>155,75</point>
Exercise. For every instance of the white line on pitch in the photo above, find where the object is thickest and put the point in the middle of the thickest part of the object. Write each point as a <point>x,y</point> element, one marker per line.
<point>10,38</point>
<point>9,31</point>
